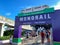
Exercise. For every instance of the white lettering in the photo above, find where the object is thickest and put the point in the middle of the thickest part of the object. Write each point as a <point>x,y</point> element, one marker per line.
<point>21,19</point>
<point>36,17</point>
<point>41,17</point>
<point>32,17</point>
<point>28,18</point>
<point>24,18</point>
<point>49,16</point>
<point>45,16</point>
<point>39,8</point>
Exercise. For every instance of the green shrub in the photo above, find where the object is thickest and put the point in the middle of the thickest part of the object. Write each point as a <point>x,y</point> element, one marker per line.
<point>4,37</point>
<point>23,32</point>
<point>8,32</point>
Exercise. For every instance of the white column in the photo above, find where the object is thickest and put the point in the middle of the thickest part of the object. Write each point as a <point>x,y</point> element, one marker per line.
<point>1,30</point>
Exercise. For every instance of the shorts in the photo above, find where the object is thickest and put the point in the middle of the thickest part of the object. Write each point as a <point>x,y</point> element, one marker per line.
<point>47,36</point>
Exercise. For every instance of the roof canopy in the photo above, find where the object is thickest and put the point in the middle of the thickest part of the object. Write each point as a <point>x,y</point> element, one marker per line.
<point>47,10</point>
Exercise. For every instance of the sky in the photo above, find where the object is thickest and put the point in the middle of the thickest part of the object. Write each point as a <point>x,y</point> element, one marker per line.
<point>11,8</point>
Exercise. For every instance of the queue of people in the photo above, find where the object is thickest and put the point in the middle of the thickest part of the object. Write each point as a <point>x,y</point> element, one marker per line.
<point>44,34</point>
<point>31,34</point>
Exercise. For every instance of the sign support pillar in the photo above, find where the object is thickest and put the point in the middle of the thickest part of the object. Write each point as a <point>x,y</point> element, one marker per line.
<point>17,34</point>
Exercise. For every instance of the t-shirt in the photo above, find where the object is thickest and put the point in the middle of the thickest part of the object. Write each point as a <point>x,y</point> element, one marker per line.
<point>42,34</point>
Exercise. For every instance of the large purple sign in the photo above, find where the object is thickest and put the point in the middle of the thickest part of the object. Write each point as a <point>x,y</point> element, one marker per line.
<point>53,18</point>
<point>56,25</point>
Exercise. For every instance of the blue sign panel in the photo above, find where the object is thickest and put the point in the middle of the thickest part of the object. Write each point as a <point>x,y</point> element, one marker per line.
<point>34,19</point>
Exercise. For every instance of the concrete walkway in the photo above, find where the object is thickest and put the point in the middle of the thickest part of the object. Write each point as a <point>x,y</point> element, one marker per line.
<point>29,41</point>
<point>35,41</point>
<point>3,42</point>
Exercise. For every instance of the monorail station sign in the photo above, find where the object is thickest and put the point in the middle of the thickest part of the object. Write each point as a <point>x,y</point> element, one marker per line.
<point>49,16</point>
<point>39,18</point>
<point>35,17</point>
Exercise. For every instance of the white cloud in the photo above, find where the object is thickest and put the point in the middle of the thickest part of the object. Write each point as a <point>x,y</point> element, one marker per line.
<point>57,6</point>
<point>29,7</point>
<point>8,14</point>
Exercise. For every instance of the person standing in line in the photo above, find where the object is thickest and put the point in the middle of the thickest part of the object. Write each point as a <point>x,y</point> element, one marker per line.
<point>33,33</point>
<point>42,34</point>
<point>27,35</point>
<point>11,37</point>
<point>42,37</point>
<point>48,35</point>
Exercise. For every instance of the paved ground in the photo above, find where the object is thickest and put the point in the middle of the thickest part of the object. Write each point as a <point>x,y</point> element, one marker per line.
<point>32,41</point>
<point>35,41</point>
<point>32,44</point>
